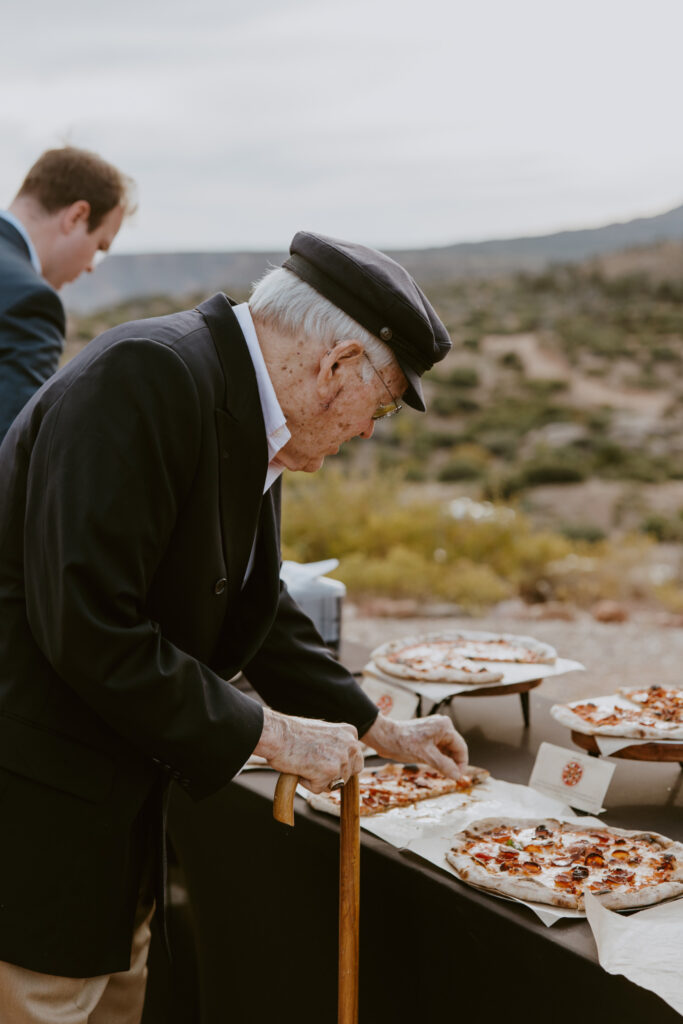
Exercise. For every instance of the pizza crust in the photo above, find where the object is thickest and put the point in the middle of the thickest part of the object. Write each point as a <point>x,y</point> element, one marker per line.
<point>537,889</point>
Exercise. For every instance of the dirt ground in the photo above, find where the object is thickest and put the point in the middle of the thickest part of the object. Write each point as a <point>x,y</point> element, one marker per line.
<point>633,653</point>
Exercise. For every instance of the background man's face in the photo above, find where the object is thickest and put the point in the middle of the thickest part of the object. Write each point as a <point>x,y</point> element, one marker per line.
<point>78,251</point>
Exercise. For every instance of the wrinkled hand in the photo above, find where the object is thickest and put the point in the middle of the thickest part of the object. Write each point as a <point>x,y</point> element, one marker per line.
<point>431,741</point>
<point>318,752</point>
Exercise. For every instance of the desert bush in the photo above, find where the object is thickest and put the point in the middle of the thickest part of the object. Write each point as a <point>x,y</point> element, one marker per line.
<point>663,528</point>
<point>554,466</point>
<point>511,361</point>
<point>460,469</point>
<point>588,532</point>
<point>462,377</point>
<point>404,572</point>
<point>542,386</point>
<point>448,403</point>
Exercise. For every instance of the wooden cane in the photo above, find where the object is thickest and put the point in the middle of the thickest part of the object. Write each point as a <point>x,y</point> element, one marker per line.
<point>349,886</point>
<point>349,903</point>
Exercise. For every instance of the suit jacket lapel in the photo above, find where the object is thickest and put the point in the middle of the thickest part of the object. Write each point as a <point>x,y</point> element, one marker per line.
<point>242,445</point>
<point>15,239</point>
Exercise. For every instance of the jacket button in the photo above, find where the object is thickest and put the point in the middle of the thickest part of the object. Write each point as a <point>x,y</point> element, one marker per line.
<point>220,585</point>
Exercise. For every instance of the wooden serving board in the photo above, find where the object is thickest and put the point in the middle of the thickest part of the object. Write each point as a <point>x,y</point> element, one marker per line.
<point>652,751</point>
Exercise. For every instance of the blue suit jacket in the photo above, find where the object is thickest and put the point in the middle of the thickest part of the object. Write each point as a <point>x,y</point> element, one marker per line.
<point>32,326</point>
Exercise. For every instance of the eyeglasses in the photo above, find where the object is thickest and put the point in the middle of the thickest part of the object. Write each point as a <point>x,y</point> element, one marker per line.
<point>382,412</point>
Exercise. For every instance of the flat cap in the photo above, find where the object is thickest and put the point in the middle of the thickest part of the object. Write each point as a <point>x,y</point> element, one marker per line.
<point>378,294</point>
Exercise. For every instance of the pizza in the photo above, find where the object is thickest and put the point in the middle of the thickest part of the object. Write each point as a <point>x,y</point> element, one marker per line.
<point>555,862</point>
<point>399,785</point>
<point>654,713</point>
<point>454,657</point>
<point>664,703</point>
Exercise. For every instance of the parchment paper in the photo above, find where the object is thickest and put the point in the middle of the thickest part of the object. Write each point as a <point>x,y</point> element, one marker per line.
<point>646,947</point>
<point>512,673</point>
<point>609,744</point>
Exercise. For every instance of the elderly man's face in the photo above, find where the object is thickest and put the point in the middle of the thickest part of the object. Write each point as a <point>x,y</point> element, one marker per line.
<point>345,406</point>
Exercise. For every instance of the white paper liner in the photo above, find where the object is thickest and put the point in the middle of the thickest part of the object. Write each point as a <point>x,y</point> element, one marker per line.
<point>512,673</point>
<point>610,744</point>
<point>426,828</point>
<point>445,815</point>
<point>645,946</point>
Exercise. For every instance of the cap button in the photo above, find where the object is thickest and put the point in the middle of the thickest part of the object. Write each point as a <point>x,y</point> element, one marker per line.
<point>386,333</point>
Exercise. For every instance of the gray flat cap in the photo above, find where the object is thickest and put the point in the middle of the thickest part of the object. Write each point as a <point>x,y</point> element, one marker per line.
<point>378,294</point>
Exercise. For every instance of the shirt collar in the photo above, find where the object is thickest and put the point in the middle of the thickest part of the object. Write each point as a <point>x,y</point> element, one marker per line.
<point>277,434</point>
<point>17,224</point>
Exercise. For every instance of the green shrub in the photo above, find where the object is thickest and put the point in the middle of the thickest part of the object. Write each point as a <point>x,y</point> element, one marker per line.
<point>551,471</point>
<point>588,532</point>
<point>511,361</point>
<point>448,403</point>
<point>462,377</point>
<point>460,469</point>
<point>542,386</point>
<point>663,528</point>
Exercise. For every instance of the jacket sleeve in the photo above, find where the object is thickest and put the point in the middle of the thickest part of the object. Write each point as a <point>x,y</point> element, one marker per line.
<point>295,673</point>
<point>113,460</point>
<point>31,342</point>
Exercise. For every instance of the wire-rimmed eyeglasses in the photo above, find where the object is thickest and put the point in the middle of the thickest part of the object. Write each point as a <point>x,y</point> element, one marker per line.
<point>382,412</point>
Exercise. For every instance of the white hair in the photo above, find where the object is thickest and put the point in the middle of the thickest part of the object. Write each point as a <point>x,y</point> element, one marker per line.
<point>294,307</point>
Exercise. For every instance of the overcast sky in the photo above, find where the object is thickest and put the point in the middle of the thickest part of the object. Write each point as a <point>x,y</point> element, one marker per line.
<point>392,122</point>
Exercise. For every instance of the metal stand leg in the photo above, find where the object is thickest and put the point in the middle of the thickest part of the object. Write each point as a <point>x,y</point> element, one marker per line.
<point>524,701</point>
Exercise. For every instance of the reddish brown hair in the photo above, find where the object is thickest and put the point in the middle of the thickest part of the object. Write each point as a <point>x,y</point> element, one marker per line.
<point>61,177</point>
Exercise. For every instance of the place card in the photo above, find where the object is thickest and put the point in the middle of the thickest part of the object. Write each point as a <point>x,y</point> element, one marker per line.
<point>392,701</point>
<point>581,781</point>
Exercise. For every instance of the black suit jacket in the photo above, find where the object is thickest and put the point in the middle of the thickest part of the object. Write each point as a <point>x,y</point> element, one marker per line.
<point>131,491</point>
<point>31,326</point>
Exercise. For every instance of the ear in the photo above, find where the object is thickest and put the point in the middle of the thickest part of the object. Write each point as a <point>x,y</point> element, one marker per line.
<point>336,364</point>
<point>74,215</point>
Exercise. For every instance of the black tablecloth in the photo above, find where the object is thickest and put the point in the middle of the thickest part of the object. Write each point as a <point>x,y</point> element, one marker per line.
<point>264,905</point>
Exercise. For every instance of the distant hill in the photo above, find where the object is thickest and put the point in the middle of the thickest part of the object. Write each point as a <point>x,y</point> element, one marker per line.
<point>129,276</point>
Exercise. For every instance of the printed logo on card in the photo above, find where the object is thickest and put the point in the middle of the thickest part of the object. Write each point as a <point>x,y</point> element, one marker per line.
<point>385,703</point>
<point>572,773</point>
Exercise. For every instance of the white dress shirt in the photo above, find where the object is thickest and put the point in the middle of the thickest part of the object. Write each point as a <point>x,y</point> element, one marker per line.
<point>277,433</point>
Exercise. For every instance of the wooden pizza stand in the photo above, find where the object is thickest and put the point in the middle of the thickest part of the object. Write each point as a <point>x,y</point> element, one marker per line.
<point>665,752</point>
<point>495,690</point>
<point>262,900</point>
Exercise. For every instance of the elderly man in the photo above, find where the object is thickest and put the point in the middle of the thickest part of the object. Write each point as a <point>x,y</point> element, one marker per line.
<point>68,209</point>
<point>139,569</point>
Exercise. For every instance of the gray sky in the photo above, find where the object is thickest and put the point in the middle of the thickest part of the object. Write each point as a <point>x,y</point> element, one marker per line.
<point>392,122</point>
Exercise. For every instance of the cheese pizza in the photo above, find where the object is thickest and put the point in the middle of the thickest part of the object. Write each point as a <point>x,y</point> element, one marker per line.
<point>454,657</point>
<point>555,862</point>
<point>399,785</point>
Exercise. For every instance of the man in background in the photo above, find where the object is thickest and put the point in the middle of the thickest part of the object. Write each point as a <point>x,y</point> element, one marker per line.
<point>69,208</point>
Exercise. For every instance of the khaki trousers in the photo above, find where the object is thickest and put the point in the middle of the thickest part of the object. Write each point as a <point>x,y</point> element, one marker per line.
<point>27,997</point>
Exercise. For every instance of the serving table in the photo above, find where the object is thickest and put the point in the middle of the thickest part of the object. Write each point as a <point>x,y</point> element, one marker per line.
<point>263,900</point>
